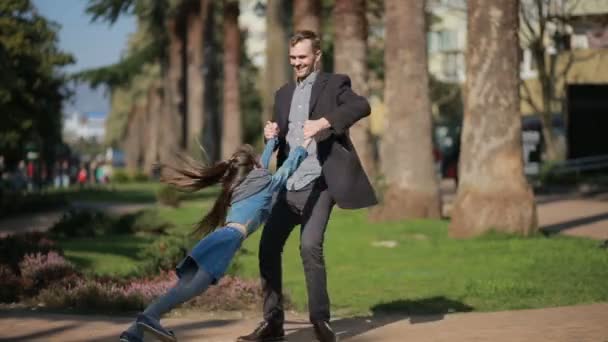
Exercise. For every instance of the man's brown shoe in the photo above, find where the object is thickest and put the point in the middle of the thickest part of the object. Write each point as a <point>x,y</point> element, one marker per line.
<point>323,332</point>
<point>265,332</point>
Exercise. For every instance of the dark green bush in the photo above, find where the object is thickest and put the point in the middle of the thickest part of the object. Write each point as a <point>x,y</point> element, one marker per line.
<point>140,177</point>
<point>168,196</point>
<point>85,223</point>
<point>88,223</point>
<point>12,285</point>
<point>120,176</point>
<point>147,221</point>
<point>14,203</point>
<point>165,253</point>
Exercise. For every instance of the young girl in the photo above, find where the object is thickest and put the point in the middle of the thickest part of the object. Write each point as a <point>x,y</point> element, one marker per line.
<point>242,206</point>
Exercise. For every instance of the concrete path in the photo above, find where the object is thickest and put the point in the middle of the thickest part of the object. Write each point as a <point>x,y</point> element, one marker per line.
<point>565,324</point>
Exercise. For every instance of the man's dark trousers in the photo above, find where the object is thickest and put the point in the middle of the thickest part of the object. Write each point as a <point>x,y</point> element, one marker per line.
<point>310,207</point>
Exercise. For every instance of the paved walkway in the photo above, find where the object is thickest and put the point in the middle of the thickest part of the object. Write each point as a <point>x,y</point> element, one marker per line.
<point>565,324</point>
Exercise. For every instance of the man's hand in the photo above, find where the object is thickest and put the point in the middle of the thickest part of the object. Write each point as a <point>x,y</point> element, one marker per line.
<point>271,130</point>
<point>312,127</point>
<point>306,142</point>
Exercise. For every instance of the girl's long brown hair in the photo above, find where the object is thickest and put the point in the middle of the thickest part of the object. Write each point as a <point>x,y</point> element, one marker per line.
<point>193,176</point>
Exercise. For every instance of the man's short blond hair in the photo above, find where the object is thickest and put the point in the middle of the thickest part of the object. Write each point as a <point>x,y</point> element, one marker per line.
<point>299,36</point>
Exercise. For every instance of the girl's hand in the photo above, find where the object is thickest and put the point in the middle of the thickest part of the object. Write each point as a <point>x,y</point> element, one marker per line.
<point>271,130</point>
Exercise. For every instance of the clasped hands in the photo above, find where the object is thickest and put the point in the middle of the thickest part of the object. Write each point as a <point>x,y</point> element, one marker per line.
<point>311,128</point>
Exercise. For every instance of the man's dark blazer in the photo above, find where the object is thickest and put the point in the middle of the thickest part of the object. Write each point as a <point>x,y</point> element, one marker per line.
<point>332,98</point>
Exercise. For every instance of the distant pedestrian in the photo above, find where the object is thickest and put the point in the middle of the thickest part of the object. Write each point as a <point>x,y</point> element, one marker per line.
<point>82,176</point>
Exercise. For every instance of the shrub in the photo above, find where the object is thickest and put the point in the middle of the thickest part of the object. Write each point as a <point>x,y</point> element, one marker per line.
<point>13,203</point>
<point>14,247</point>
<point>147,221</point>
<point>167,195</point>
<point>119,176</point>
<point>140,177</point>
<point>87,223</point>
<point>106,295</point>
<point>12,285</point>
<point>231,293</point>
<point>40,270</point>
<point>164,254</point>
<point>83,223</point>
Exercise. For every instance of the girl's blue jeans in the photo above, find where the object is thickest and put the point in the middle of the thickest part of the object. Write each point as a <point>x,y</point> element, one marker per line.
<point>189,286</point>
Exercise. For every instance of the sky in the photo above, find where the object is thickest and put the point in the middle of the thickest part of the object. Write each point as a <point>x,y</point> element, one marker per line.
<point>92,44</point>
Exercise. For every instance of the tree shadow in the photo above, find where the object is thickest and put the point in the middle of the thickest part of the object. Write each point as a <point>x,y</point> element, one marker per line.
<point>184,331</point>
<point>561,226</point>
<point>417,311</point>
<point>43,334</point>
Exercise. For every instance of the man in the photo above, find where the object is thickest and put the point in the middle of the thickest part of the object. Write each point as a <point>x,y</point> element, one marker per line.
<point>324,106</point>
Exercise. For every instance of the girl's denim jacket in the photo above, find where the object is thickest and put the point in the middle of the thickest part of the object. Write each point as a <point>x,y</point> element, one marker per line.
<point>254,210</point>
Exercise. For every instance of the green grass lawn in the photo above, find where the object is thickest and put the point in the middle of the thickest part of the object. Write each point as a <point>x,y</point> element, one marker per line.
<point>425,272</point>
<point>429,272</point>
<point>107,255</point>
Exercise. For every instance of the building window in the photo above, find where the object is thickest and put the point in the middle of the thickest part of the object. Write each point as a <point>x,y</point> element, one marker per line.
<point>447,40</point>
<point>528,68</point>
<point>452,65</point>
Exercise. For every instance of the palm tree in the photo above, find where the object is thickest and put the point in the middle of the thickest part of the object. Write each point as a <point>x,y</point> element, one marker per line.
<point>231,132</point>
<point>350,58</point>
<point>134,141</point>
<point>212,64</point>
<point>307,15</point>
<point>406,148</point>
<point>173,116</point>
<point>277,67</point>
<point>492,192</point>
<point>195,21</point>
<point>154,103</point>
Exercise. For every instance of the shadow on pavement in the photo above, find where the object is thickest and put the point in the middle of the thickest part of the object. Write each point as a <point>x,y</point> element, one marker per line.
<point>417,311</point>
<point>559,227</point>
<point>181,330</point>
<point>43,334</point>
<point>186,330</point>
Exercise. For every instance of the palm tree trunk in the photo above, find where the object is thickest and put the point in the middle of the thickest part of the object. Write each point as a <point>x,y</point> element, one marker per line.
<point>277,66</point>
<point>307,15</point>
<point>154,109</point>
<point>492,192</point>
<point>173,116</point>
<point>406,148</point>
<point>231,132</point>
<point>350,58</point>
<point>134,140</point>
<point>196,16</point>
<point>212,125</point>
